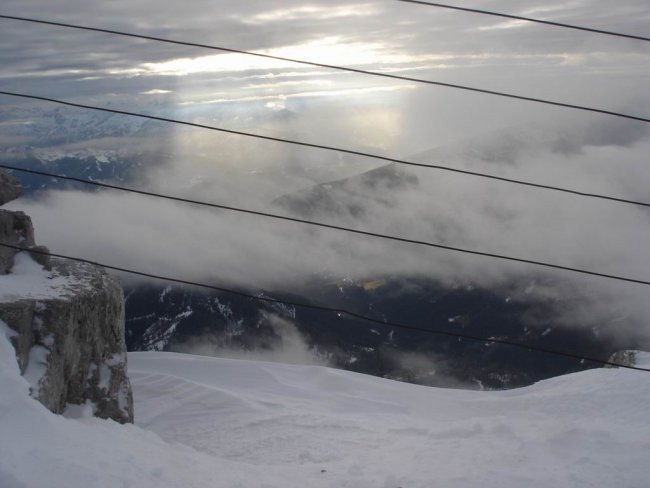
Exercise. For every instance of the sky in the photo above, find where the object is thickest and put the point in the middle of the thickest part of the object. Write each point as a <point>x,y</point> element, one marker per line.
<point>402,119</point>
<point>406,39</point>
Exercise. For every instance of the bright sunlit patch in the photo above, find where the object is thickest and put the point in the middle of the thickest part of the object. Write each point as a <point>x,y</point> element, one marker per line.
<point>510,24</point>
<point>330,50</point>
<point>274,100</point>
<point>313,12</point>
<point>155,91</point>
<point>558,7</point>
<point>378,128</point>
<point>375,56</point>
<point>285,84</point>
<point>276,105</point>
<point>205,64</point>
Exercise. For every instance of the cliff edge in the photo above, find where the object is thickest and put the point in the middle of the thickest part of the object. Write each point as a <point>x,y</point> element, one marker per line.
<point>68,320</point>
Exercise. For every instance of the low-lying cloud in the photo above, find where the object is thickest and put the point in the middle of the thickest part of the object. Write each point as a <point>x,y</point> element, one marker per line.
<point>218,246</point>
<point>289,346</point>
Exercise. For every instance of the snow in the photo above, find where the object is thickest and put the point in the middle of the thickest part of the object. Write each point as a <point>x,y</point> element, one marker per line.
<point>586,429</point>
<point>101,156</point>
<point>104,377</point>
<point>29,280</point>
<point>41,450</point>
<point>224,309</point>
<point>36,368</point>
<point>164,293</point>
<point>84,411</point>
<point>207,422</point>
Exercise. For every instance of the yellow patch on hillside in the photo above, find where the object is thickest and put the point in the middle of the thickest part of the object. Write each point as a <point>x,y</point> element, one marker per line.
<point>373,285</point>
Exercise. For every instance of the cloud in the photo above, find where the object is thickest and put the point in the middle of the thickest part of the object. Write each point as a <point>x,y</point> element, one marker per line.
<point>55,60</point>
<point>287,346</point>
<point>222,247</point>
<point>313,11</point>
<point>425,369</point>
<point>358,92</point>
<point>155,91</point>
<point>511,138</point>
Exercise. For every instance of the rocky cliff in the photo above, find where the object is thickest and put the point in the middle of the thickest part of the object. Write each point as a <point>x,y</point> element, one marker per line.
<point>69,324</point>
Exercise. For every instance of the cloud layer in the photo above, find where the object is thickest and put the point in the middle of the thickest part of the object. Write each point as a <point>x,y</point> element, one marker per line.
<point>545,144</point>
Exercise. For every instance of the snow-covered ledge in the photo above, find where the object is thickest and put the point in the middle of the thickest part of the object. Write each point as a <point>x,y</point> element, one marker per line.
<point>68,320</point>
<point>70,335</point>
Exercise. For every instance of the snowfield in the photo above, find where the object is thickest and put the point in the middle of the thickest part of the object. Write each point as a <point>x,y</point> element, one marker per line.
<point>205,422</point>
<point>29,280</point>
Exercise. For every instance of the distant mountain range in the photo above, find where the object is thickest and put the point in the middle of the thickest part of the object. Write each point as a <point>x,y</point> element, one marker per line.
<point>50,127</point>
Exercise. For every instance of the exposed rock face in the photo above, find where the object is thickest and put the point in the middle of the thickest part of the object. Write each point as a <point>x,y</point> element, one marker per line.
<point>15,229</point>
<point>70,343</point>
<point>10,188</point>
<point>626,358</point>
<point>69,319</point>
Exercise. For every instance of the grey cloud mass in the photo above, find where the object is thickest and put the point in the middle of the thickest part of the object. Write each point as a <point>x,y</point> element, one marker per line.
<point>511,138</point>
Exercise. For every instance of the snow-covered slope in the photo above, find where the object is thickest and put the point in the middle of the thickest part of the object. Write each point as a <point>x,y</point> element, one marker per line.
<point>228,423</point>
<point>335,428</point>
<point>41,450</point>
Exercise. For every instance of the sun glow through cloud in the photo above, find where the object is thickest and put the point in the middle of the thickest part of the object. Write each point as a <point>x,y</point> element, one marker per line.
<point>310,94</point>
<point>313,11</point>
<point>330,50</point>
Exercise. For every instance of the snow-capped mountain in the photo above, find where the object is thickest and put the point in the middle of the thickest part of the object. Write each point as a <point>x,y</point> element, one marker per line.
<point>74,142</point>
<point>91,164</point>
<point>49,126</point>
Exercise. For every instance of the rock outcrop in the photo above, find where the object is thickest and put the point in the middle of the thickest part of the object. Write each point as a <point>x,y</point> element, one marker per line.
<point>10,188</point>
<point>625,358</point>
<point>16,230</point>
<point>69,320</point>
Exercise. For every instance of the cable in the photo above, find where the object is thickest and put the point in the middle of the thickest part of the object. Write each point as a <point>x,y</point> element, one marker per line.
<point>528,19</point>
<point>331,226</point>
<point>323,308</point>
<point>332,148</point>
<point>329,66</point>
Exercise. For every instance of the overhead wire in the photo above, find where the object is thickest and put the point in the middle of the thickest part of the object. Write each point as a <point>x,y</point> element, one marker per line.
<point>322,308</point>
<point>319,224</point>
<point>328,66</point>
<point>528,19</point>
<point>331,226</point>
<point>333,148</point>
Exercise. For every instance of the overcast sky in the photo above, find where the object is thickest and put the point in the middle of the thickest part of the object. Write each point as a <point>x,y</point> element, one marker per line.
<point>402,119</point>
<point>413,40</point>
